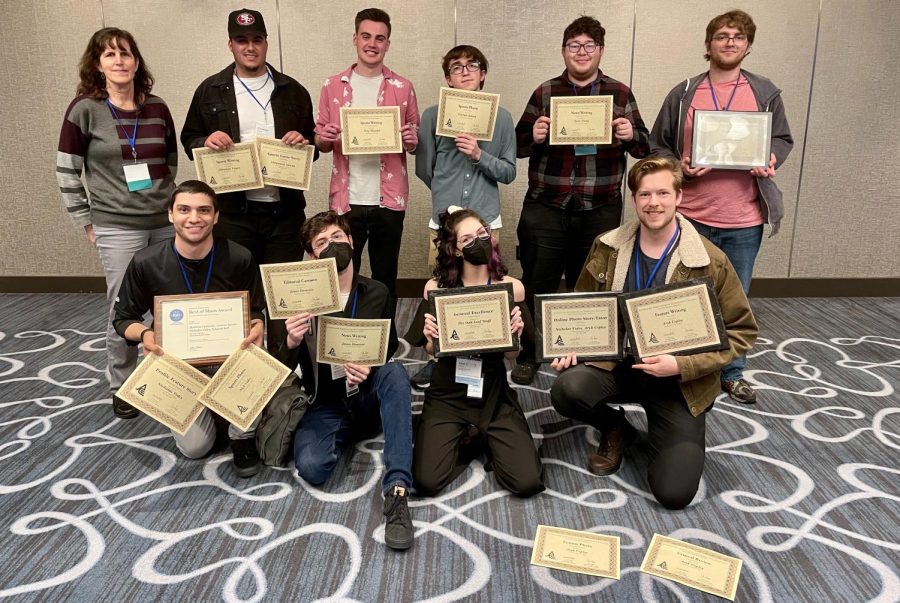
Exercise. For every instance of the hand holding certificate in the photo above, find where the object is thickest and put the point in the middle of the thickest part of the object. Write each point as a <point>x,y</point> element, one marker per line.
<point>295,287</point>
<point>236,169</point>
<point>473,320</point>
<point>353,340</point>
<point>467,112</point>
<point>586,324</point>
<point>581,119</point>
<point>731,140</point>
<point>243,386</point>
<point>201,328</point>
<point>285,165</point>
<point>166,389</point>
<point>575,551</point>
<point>370,130</point>
<point>693,566</point>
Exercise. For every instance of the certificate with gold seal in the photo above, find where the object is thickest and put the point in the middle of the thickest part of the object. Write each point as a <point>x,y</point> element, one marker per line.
<point>693,566</point>
<point>370,130</point>
<point>283,164</point>
<point>584,323</point>
<point>473,320</point>
<point>201,328</point>
<point>680,318</point>
<point>167,390</point>
<point>236,169</point>
<point>243,385</point>
<point>576,551</point>
<point>295,287</point>
<point>467,112</point>
<point>581,119</point>
<point>362,341</point>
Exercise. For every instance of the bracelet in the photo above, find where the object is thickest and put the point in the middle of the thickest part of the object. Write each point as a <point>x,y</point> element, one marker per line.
<point>144,332</point>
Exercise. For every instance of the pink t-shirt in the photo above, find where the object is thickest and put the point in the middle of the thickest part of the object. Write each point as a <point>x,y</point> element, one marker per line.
<point>721,198</point>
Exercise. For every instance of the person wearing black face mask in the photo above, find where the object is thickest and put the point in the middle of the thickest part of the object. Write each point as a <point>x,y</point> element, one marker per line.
<point>456,427</point>
<point>352,402</point>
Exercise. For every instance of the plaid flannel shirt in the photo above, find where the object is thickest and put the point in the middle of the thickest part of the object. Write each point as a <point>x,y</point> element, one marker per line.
<point>556,176</point>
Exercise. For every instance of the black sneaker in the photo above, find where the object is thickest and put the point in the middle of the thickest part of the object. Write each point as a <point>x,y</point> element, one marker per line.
<point>422,379</point>
<point>398,528</point>
<point>246,457</point>
<point>123,409</point>
<point>524,372</point>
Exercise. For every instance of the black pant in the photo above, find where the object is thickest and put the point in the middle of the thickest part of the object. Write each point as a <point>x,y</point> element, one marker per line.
<point>676,438</point>
<point>385,229</point>
<point>555,242</point>
<point>272,237</point>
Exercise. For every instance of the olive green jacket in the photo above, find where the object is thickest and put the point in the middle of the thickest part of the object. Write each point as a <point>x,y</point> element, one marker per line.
<point>607,268</point>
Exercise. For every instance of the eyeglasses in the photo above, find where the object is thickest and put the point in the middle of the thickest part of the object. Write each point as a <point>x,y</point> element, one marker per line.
<point>471,67</point>
<point>483,233</point>
<point>575,47</point>
<point>722,38</point>
<point>319,245</point>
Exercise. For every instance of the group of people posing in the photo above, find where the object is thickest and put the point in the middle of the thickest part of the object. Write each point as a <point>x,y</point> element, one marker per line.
<point>116,165</point>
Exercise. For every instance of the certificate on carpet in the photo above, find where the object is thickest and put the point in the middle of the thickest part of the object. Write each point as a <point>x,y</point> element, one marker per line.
<point>243,386</point>
<point>236,169</point>
<point>285,165</point>
<point>467,112</point>
<point>295,287</point>
<point>362,341</point>
<point>693,566</point>
<point>576,551</point>
<point>167,390</point>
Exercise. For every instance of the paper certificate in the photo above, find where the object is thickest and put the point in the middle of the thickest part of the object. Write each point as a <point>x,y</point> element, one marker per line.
<point>731,140</point>
<point>356,340</point>
<point>236,169</point>
<point>243,386</point>
<point>678,318</point>
<point>585,323</point>
<point>285,165</point>
<point>581,119</point>
<point>467,112</point>
<point>575,551</point>
<point>693,566</point>
<point>370,130</point>
<point>473,319</point>
<point>202,328</point>
<point>295,287</point>
<point>166,389</point>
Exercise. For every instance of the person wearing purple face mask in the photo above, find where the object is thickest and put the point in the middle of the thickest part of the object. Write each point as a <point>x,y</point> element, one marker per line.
<point>457,426</point>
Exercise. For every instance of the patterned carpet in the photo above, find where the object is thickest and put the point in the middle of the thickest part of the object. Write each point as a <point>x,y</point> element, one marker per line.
<point>803,486</point>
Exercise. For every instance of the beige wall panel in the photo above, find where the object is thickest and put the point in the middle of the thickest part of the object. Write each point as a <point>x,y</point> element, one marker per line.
<point>848,216</point>
<point>38,237</point>
<point>184,43</point>
<point>319,44</point>
<point>669,47</point>
<point>523,43</point>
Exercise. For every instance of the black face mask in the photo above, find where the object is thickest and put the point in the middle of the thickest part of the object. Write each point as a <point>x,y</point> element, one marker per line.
<point>341,252</point>
<point>478,253</point>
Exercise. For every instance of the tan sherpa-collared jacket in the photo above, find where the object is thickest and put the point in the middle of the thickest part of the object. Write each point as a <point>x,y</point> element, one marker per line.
<point>607,268</point>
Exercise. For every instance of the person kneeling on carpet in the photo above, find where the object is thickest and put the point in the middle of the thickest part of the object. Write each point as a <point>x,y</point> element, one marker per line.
<point>194,262</point>
<point>676,392</point>
<point>350,402</point>
<point>455,426</point>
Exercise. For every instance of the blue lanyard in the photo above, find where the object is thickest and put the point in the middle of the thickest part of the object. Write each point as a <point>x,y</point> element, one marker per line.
<point>131,139</point>
<point>187,281</point>
<point>250,92</point>
<point>355,299</point>
<point>637,258</point>
<point>712,91</point>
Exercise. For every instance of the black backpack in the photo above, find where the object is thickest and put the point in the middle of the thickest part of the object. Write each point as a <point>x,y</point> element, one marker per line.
<point>275,430</point>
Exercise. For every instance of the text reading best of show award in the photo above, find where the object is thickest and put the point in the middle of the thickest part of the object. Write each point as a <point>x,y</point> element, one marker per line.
<point>201,328</point>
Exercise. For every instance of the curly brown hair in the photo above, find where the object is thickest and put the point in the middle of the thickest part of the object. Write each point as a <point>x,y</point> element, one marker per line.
<point>92,82</point>
<point>448,268</point>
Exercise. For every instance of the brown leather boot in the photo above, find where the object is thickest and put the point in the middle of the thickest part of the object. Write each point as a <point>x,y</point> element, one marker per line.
<point>613,442</point>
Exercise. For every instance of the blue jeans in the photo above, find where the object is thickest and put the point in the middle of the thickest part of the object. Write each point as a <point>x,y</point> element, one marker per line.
<point>741,246</point>
<point>329,427</point>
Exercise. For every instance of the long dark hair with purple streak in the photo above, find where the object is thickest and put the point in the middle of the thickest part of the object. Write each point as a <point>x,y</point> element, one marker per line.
<point>448,268</point>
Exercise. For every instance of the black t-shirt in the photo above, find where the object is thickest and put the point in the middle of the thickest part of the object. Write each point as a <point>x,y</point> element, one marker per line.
<point>647,265</point>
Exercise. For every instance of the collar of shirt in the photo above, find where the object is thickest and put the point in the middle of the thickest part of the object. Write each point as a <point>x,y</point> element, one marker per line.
<point>600,79</point>
<point>345,76</point>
